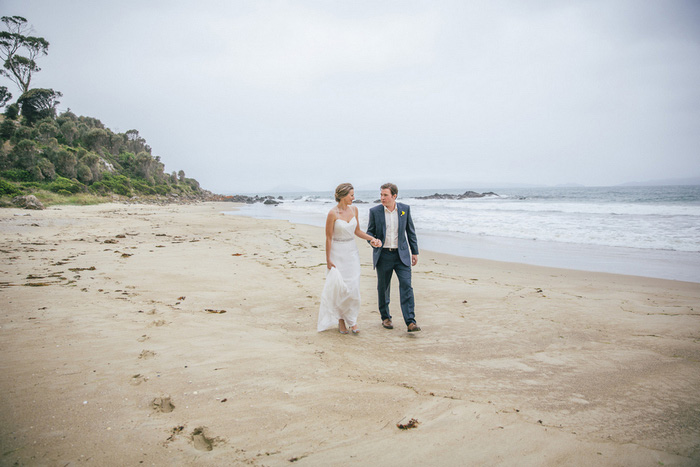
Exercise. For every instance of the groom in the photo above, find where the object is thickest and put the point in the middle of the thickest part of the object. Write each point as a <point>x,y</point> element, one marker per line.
<point>392,224</point>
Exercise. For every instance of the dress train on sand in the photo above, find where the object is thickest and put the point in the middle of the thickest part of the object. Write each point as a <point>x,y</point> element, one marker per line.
<point>340,298</point>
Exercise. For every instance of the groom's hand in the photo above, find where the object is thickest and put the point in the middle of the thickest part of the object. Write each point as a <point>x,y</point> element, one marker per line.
<point>414,260</point>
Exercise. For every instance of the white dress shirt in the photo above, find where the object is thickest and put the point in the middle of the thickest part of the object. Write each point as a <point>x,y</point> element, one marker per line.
<point>391,218</point>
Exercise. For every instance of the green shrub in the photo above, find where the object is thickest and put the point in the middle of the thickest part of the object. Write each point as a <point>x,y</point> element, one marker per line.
<point>62,183</point>
<point>142,187</point>
<point>118,184</point>
<point>162,190</point>
<point>64,192</point>
<point>12,111</point>
<point>98,188</point>
<point>17,175</point>
<point>194,184</point>
<point>7,129</point>
<point>21,133</point>
<point>7,188</point>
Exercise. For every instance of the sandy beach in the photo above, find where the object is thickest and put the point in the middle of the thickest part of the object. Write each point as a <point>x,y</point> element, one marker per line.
<point>177,335</point>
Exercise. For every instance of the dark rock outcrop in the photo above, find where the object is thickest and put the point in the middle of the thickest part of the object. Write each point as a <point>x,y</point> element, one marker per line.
<point>270,200</point>
<point>465,195</point>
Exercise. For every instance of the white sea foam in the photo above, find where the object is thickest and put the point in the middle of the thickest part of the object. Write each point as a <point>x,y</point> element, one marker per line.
<point>659,226</point>
<point>664,228</point>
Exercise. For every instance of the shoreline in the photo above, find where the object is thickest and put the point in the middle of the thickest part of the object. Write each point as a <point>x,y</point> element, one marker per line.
<point>655,264</point>
<point>189,336</point>
<point>660,264</point>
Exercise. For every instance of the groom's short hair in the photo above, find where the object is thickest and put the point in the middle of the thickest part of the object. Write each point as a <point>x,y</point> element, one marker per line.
<point>391,187</point>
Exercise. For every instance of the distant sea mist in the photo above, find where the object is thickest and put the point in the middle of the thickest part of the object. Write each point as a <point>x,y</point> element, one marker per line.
<point>647,231</point>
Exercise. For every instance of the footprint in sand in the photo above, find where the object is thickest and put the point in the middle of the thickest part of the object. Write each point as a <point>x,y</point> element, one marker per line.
<point>201,441</point>
<point>152,311</point>
<point>163,404</point>
<point>145,354</point>
<point>138,379</point>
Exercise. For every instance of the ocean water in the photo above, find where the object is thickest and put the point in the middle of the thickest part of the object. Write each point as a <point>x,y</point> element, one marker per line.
<point>647,231</point>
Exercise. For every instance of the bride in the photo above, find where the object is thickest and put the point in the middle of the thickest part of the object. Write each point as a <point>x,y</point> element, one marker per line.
<point>340,299</point>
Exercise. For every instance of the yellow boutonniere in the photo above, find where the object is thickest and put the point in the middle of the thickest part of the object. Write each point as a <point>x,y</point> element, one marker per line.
<point>403,212</point>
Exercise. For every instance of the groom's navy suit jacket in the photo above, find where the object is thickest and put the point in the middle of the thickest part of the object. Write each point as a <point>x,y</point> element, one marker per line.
<point>408,243</point>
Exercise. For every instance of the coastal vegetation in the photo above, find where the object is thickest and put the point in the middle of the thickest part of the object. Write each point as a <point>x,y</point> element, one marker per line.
<point>66,158</point>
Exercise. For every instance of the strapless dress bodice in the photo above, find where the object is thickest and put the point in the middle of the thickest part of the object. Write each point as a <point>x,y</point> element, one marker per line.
<point>344,231</point>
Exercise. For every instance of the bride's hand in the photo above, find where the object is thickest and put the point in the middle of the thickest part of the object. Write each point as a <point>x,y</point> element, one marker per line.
<point>330,265</point>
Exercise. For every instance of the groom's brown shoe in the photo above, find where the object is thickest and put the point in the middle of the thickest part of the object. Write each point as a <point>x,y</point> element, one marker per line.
<point>413,327</point>
<point>387,324</point>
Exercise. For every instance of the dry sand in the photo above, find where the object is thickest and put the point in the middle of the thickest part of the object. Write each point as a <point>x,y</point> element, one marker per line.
<point>138,334</point>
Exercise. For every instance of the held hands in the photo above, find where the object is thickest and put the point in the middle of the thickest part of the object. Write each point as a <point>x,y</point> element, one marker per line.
<point>376,243</point>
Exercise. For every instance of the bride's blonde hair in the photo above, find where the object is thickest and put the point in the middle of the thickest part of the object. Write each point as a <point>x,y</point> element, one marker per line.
<point>342,191</point>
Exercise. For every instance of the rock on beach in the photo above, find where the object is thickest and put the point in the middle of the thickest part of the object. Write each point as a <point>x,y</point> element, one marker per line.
<point>28,202</point>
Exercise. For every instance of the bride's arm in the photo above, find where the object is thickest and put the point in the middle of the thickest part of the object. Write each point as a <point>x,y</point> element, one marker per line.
<point>330,224</point>
<point>358,230</point>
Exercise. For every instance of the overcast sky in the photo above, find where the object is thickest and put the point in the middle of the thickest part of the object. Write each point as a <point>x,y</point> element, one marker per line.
<point>249,96</point>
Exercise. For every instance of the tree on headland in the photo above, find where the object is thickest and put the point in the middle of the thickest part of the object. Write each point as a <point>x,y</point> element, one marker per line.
<point>38,104</point>
<point>20,68</point>
<point>5,96</point>
<point>96,138</point>
<point>24,154</point>
<point>66,163</point>
<point>135,143</point>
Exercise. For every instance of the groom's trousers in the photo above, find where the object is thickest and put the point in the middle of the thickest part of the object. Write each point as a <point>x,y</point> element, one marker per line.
<point>389,262</point>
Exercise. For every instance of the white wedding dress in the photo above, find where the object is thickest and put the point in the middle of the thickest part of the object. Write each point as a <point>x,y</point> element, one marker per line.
<point>340,298</point>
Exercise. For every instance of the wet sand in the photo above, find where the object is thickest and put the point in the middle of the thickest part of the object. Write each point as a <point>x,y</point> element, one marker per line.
<point>178,335</point>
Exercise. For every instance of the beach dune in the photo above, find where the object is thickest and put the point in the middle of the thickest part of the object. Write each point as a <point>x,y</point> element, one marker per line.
<point>179,335</point>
